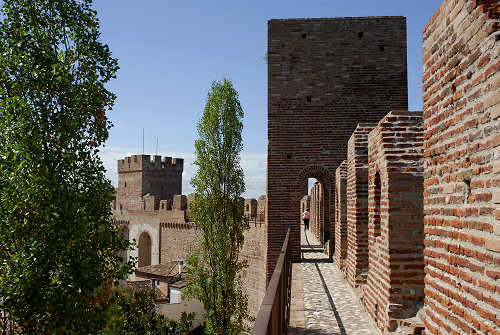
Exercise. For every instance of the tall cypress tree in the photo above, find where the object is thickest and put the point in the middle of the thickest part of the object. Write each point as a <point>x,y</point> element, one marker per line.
<point>214,271</point>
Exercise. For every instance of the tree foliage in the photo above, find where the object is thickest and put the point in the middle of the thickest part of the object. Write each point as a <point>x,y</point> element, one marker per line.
<point>132,312</point>
<point>57,243</point>
<point>214,272</point>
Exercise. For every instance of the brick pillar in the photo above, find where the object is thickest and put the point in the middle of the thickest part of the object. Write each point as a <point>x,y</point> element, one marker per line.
<point>316,199</point>
<point>340,215</point>
<point>395,284</point>
<point>461,93</point>
<point>357,204</point>
<point>312,209</point>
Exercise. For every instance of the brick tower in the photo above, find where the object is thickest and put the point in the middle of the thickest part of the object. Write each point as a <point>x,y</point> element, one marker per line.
<point>139,175</point>
<point>324,77</point>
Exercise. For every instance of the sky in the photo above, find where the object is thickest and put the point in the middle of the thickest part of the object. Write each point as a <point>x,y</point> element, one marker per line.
<point>170,52</point>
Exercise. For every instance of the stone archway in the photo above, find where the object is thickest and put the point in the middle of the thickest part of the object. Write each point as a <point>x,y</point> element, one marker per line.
<point>144,250</point>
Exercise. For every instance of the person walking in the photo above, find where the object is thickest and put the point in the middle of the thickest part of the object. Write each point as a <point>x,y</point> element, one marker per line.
<point>305,217</point>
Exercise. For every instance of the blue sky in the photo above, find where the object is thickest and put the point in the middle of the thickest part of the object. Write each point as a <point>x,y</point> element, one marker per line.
<point>170,51</point>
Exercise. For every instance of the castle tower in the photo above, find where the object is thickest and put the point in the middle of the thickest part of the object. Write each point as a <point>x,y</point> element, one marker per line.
<point>324,77</point>
<point>139,175</point>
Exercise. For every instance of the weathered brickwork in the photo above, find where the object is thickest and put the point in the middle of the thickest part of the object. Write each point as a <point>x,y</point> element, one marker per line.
<point>395,283</point>
<point>341,215</point>
<point>324,76</point>
<point>357,204</point>
<point>461,158</point>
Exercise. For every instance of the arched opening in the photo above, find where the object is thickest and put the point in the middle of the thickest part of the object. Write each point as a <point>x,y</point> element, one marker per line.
<point>124,232</point>
<point>144,250</point>
<point>316,237</point>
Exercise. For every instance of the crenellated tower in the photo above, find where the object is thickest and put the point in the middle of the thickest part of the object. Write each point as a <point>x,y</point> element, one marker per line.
<point>143,176</point>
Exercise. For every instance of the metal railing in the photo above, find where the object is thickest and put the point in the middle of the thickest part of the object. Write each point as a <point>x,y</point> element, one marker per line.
<point>274,313</point>
<point>256,220</point>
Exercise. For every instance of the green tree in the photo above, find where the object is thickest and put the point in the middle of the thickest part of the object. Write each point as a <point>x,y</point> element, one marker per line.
<point>214,272</point>
<point>57,242</point>
<point>132,312</point>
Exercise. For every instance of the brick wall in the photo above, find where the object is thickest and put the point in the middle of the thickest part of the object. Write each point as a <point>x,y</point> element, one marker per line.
<point>324,76</point>
<point>254,277</point>
<point>357,204</point>
<point>461,159</point>
<point>178,240</point>
<point>395,283</point>
<point>341,215</point>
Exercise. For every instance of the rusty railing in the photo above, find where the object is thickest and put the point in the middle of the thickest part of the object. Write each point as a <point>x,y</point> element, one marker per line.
<point>274,312</point>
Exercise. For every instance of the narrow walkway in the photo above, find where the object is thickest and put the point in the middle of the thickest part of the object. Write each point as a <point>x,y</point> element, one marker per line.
<point>322,301</point>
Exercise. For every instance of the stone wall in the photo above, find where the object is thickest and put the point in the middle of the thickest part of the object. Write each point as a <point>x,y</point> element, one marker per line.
<point>357,205</point>
<point>178,240</point>
<point>395,283</point>
<point>328,74</point>
<point>461,158</point>
<point>341,215</point>
<point>254,277</point>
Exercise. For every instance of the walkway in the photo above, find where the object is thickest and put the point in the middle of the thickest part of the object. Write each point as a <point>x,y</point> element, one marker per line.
<point>322,301</point>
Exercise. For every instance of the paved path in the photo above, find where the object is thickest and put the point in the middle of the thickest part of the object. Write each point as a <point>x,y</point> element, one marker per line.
<point>322,301</point>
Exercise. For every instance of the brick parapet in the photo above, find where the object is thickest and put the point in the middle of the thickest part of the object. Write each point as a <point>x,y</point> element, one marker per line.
<point>179,226</point>
<point>136,163</point>
<point>461,159</point>
<point>341,215</point>
<point>357,204</point>
<point>395,283</point>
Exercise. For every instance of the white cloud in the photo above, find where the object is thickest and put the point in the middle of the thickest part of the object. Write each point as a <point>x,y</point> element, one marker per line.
<point>253,164</point>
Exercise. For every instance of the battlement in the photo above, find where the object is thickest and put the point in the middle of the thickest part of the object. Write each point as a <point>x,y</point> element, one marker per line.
<point>136,163</point>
